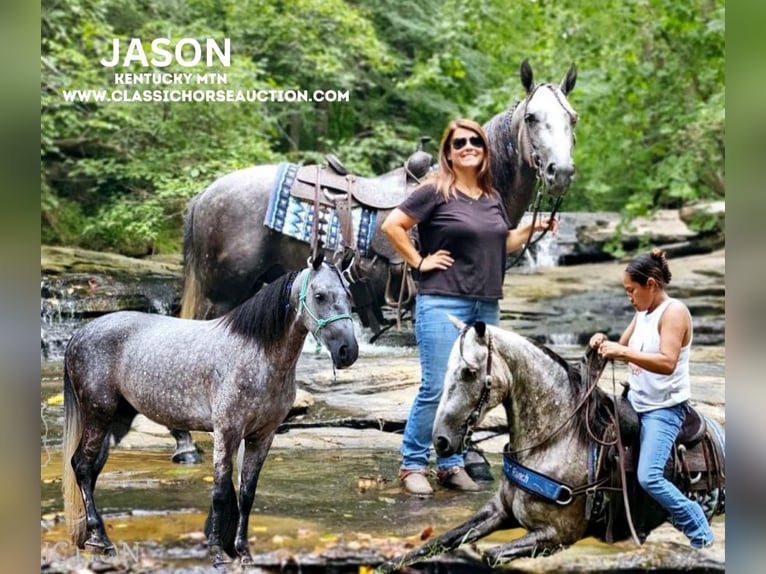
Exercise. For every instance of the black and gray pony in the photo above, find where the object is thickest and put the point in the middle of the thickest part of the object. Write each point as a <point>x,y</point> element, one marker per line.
<point>229,253</point>
<point>563,476</point>
<point>233,376</point>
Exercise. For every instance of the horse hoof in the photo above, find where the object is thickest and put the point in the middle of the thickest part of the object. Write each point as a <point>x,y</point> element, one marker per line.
<point>479,471</point>
<point>187,457</point>
<point>217,556</point>
<point>98,546</point>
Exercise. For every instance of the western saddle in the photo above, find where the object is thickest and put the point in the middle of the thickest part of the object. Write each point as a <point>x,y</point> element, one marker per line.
<point>333,187</point>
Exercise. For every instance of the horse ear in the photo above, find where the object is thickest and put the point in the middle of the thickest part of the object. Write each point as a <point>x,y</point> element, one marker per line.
<point>459,325</point>
<point>568,83</point>
<point>527,78</point>
<point>317,261</point>
<point>317,256</point>
<point>481,328</point>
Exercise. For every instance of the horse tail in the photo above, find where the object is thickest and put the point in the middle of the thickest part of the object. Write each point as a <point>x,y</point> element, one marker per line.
<point>74,508</point>
<point>191,291</point>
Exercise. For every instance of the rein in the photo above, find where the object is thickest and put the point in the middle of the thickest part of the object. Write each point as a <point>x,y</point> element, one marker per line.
<point>582,402</point>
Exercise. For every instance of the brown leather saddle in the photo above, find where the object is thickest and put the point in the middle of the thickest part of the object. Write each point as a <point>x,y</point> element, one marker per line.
<point>384,191</point>
<point>333,187</point>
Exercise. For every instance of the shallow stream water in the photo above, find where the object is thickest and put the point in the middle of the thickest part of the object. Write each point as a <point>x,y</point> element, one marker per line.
<point>327,499</point>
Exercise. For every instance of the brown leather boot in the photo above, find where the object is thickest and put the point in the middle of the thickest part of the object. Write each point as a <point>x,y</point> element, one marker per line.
<point>415,482</point>
<point>457,478</point>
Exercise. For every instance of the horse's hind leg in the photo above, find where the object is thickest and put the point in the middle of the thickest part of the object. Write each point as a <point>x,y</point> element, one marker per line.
<point>186,451</point>
<point>490,518</point>
<point>252,462</point>
<point>87,462</point>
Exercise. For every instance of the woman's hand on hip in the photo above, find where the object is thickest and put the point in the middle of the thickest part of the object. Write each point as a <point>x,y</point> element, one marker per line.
<point>437,260</point>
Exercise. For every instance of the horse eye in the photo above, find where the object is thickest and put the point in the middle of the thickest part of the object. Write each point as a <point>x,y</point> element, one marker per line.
<point>468,374</point>
<point>319,297</point>
<point>530,118</point>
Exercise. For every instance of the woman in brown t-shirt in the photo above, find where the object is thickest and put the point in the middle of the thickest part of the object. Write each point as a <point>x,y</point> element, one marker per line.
<point>464,237</point>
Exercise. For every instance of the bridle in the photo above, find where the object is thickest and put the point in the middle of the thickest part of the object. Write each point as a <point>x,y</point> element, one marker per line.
<point>473,418</point>
<point>528,153</point>
<point>527,150</point>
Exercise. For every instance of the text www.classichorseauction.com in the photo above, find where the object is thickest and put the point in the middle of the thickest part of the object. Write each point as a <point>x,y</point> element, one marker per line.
<point>187,53</point>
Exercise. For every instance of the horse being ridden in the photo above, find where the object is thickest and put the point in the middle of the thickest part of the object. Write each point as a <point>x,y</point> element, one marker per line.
<point>229,253</point>
<point>556,419</point>
<point>233,376</point>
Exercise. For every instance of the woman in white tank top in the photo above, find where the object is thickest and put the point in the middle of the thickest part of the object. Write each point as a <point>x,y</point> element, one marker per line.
<point>656,347</point>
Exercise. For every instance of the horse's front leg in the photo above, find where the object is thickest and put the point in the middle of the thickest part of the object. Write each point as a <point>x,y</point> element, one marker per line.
<point>252,462</point>
<point>491,517</point>
<point>220,525</point>
<point>542,542</point>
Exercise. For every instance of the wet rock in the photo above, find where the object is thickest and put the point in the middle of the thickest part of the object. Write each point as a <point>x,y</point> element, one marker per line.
<point>78,285</point>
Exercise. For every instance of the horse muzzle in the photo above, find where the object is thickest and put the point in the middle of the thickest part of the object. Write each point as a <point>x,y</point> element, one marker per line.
<point>344,354</point>
<point>558,177</point>
<point>445,444</point>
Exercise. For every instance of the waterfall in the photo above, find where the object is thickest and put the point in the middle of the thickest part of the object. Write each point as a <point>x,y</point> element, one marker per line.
<point>547,251</point>
<point>68,300</point>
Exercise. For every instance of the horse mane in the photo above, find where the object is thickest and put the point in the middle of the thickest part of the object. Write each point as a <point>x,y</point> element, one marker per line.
<point>596,417</point>
<point>502,150</point>
<point>263,317</point>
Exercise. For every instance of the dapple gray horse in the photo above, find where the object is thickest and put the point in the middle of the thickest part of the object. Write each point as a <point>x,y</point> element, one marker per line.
<point>233,376</point>
<point>558,425</point>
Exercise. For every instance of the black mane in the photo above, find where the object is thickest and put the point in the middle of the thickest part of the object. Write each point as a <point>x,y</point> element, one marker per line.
<point>263,317</point>
<point>581,376</point>
<point>503,160</point>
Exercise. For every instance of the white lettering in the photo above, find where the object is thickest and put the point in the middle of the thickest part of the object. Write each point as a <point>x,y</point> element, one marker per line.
<point>115,55</point>
<point>196,48</point>
<point>158,47</point>
<point>187,52</point>
<point>135,53</point>
<point>224,57</point>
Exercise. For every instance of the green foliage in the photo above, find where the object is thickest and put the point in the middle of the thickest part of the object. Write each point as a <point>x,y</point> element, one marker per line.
<point>650,94</point>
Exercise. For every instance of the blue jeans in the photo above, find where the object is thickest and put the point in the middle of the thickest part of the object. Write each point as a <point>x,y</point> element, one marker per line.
<point>435,335</point>
<point>659,429</point>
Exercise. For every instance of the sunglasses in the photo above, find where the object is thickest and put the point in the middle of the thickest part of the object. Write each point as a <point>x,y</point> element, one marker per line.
<point>460,143</point>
